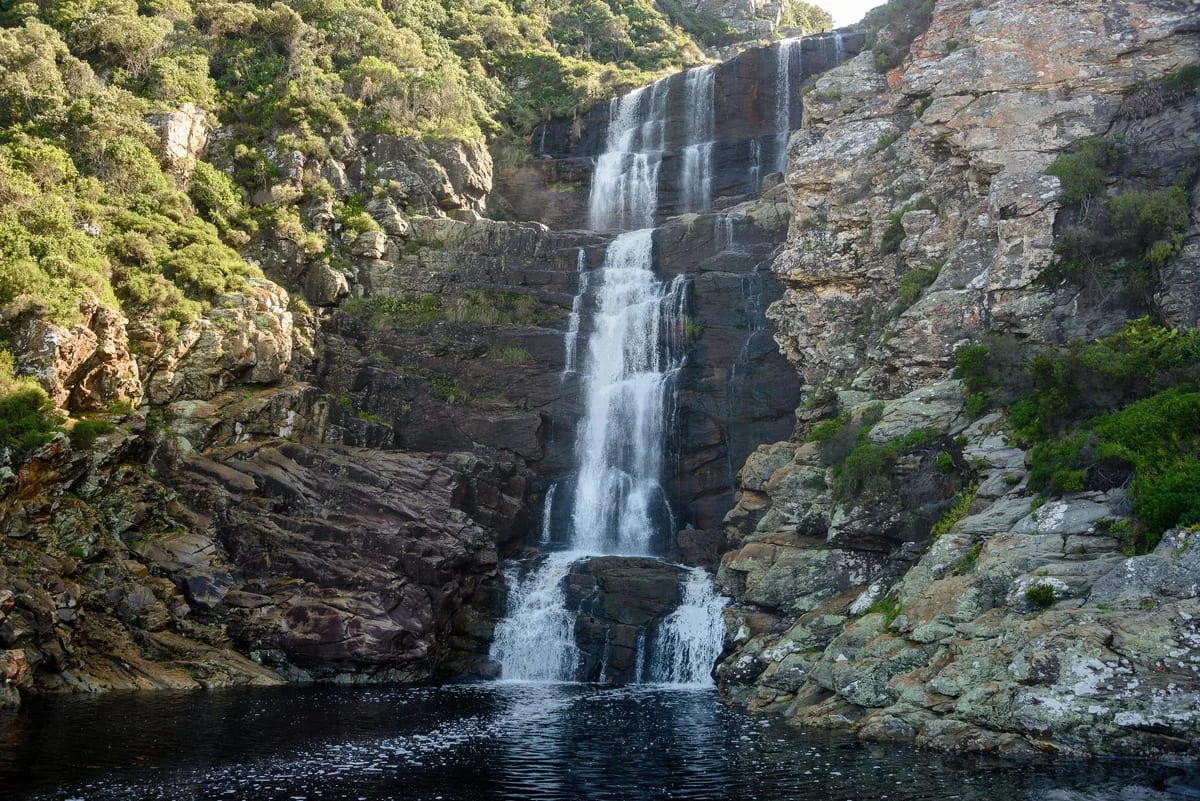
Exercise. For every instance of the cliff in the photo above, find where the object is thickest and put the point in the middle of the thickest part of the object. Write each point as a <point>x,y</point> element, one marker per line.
<point>958,554</point>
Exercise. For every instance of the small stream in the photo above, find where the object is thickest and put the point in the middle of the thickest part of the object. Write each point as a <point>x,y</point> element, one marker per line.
<point>497,741</point>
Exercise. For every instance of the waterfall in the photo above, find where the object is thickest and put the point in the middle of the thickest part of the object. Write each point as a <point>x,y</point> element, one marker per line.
<point>548,515</point>
<point>571,340</point>
<point>839,48</point>
<point>624,191</point>
<point>622,437</point>
<point>696,173</point>
<point>635,348</point>
<point>690,638</point>
<point>783,97</point>
<point>536,639</point>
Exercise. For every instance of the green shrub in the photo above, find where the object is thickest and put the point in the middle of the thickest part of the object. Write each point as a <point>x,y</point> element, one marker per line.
<point>382,312</point>
<point>1184,79</point>
<point>889,608</point>
<point>971,363</point>
<point>914,283</point>
<point>28,420</point>
<point>1152,222</point>
<point>1084,170</point>
<point>448,389</point>
<point>893,27</point>
<point>1059,466</point>
<point>969,559</point>
<point>826,429</point>
<point>510,354</point>
<point>913,440</point>
<point>886,141</point>
<point>977,405</point>
<point>865,475</point>
<point>84,432</point>
<point>893,234</point>
<point>957,511</point>
<point>1040,595</point>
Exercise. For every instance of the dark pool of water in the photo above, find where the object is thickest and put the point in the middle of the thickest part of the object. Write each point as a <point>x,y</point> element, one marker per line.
<point>505,741</point>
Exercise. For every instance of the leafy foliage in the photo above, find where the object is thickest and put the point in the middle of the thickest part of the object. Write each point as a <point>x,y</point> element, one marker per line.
<point>28,420</point>
<point>1123,410</point>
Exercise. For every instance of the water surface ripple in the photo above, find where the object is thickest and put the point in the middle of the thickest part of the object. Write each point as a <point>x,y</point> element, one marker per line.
<point>498,741</point>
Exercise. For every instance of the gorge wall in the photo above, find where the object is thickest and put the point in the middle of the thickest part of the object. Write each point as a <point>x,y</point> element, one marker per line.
<point>320,484</point>
<point>902,572</point>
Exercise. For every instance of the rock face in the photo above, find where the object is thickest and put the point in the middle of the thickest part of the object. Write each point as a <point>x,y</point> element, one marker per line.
<point>83,368</point>
<point>1016,629</point>
<point>183,135</point>
<point>956,145</point>
<point>315,561</point>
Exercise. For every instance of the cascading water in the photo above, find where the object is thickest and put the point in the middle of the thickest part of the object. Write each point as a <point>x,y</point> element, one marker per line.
<point>536,640</point>
<point>690,638</point>
<point>571,340</point>
<point>789,51</point>
<point>622,438</point>
<point>624,192</point>
<point>619,504</point>
<point>696,173</point>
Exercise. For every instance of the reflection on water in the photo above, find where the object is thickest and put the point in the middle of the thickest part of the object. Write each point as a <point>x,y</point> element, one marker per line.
<point>498,741</point>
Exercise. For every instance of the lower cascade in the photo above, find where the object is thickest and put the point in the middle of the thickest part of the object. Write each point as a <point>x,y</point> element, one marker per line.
<point>617,504</point>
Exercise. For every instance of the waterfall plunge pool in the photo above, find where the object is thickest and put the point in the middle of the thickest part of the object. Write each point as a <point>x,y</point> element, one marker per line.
<point>480,742</point>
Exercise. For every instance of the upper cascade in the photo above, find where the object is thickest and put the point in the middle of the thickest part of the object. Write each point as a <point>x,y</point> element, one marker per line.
<point>717,130</point>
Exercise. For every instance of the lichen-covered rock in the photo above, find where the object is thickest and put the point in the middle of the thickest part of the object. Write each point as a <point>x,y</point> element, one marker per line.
<point>246,338</point>
<point>941,166</point>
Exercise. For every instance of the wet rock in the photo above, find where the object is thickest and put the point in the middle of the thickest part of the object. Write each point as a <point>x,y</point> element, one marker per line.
<point>621,602</point>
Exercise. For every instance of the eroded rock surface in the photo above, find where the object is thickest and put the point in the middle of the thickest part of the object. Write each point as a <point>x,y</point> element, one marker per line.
<point>1018,629</point>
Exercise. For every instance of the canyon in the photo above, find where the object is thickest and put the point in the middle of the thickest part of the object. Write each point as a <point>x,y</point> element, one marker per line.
<point>377,483</point>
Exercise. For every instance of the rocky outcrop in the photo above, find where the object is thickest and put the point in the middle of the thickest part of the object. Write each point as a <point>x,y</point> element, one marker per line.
<point>246,339</point>
<point>622,601</point>
<point>954,148</point>
<point>84,367</point>
<point>183,135</point>
<point>266,560</point>
<point>1006,627</point>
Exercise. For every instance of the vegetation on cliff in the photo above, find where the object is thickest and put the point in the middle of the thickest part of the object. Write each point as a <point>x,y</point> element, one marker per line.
<point>1123,410</point>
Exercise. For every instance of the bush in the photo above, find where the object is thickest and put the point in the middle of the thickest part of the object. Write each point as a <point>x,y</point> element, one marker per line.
<point>889,608</point>
<point>28,420</point>
<point>1040,595</point>
<point>914,283</point>
<point>893,234</point>
<point>510,354</point>
<point>971,365</point>
<point>1151,222</point>
<point>865,475</point>
<point>1084,170</point>
<point>893,27</point>
<point>957,511</point>
<point>381,312</point>
<point>84,432</point>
